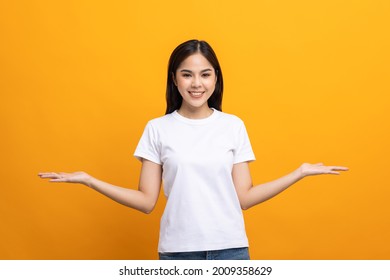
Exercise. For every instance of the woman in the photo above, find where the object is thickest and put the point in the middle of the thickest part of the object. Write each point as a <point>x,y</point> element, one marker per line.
<point>202,156</point>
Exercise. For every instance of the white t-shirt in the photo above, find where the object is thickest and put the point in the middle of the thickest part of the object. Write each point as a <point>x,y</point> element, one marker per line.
<point>197,155</point>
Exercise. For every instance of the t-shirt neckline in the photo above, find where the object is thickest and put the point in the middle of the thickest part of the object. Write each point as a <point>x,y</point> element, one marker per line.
<point>202,121</point>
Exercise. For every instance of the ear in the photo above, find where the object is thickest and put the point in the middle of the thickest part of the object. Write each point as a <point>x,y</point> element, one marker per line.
<point>174,79</point>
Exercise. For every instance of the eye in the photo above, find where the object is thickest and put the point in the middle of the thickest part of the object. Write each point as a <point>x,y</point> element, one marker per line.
<point>186,75</point>
<point>206,75</point>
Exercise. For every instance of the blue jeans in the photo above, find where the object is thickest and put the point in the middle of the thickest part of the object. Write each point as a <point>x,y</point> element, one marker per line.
<point>226,254</point>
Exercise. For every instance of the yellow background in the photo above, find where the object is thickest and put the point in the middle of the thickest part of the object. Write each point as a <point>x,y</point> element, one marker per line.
<point>80,79</point>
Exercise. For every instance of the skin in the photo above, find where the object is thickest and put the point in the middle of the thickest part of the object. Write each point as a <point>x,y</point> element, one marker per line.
<point>195,79</point>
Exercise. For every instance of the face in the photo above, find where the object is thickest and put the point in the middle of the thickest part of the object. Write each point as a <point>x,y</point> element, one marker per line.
<point>195,79</point>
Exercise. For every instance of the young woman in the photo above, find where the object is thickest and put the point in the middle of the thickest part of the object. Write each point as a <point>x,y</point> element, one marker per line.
<point>202,155</point>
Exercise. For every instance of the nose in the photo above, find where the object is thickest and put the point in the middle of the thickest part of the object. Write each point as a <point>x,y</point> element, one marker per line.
<point>196,82</point>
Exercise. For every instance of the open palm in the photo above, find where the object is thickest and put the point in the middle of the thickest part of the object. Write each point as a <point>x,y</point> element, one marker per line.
<point>75,177</point>
<point>308,169</point>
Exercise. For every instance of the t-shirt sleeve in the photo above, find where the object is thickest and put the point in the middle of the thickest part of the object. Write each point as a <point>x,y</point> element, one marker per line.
<point>243,151</point>
<point>148,147</point>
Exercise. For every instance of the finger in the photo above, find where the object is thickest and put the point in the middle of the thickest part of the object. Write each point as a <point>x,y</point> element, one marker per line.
<point>341,168</point>
<point>48,176</point>
<point>57,180</point>
<point>44,173</point>
<point>51,175</point>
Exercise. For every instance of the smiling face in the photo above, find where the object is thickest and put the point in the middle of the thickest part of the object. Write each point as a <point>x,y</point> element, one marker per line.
<point>195,79</point>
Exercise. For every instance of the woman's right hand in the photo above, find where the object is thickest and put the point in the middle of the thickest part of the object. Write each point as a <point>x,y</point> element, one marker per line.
<point>75,177</point>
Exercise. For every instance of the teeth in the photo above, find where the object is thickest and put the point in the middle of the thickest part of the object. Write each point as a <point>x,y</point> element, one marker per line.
<point>196,93</point>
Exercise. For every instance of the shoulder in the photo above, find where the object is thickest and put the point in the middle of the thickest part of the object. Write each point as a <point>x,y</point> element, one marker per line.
<point>230,119</point>
<point>160,121</point>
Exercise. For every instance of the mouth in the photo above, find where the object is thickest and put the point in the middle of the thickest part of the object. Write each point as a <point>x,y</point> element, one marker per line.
<point>196,94</point>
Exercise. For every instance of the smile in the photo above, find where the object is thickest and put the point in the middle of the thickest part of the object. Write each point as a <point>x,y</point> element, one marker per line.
<point>196,93</point>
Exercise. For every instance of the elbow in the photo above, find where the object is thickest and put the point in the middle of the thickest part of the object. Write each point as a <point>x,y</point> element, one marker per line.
<point>143,208</point>
<point>245,206</point>
<point>249,204</point>
<point>147,209</point>
<point>245,202</point>
<point>145,204</point>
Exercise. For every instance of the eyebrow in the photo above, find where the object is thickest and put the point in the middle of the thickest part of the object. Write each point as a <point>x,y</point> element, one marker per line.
<point>189,71</point>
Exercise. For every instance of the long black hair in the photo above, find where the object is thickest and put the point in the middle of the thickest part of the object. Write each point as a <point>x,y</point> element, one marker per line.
<point>181,52</point>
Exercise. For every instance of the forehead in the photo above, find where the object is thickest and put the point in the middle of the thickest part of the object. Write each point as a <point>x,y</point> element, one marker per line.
<point>195,61</point>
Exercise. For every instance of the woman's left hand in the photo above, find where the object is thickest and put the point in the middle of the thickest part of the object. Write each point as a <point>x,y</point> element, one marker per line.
<point>308,169</point>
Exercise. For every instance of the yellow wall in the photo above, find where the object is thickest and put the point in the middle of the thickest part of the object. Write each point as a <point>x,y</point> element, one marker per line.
<point>80,79</point>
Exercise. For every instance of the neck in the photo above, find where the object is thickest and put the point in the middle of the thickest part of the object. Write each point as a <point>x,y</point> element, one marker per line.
<point>198,113</point>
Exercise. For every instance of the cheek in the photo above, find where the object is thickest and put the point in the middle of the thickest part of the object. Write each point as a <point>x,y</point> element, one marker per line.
<point>182,83</point>
<point>210,85</point>
<point>181,86</point>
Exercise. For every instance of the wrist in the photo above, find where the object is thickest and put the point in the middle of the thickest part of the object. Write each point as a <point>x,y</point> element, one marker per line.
<point>300,173</point>
<point>89,181</point>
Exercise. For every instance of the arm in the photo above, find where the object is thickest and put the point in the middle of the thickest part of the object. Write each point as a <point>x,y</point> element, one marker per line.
<point>250,195</point>
<point>144,199</point>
